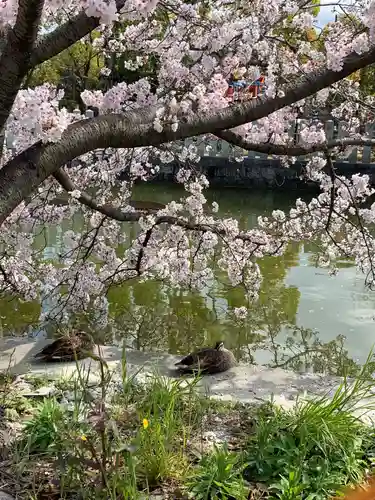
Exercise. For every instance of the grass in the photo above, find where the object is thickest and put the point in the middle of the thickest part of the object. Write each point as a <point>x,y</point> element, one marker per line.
<point>318,447</point>
<point>42,431</point>
<point>37,381</point>
<point>150,439</point>
<point>318,453</point>
<point>219,475</point>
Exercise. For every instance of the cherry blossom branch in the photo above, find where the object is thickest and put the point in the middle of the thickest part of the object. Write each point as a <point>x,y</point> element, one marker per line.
<point>24,173</point>
<point>8,281</point>
<point>141,252</point>
<point>287,150</point>
<point>15,58</point>
<point>65,35</point>
<point>332,196</point>
<point>108,210</point>
<point>90,247</point>
<point>364,231</point>
<point>114,213</point>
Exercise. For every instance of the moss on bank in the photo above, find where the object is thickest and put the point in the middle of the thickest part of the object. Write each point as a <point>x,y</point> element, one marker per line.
<point>162,439</point>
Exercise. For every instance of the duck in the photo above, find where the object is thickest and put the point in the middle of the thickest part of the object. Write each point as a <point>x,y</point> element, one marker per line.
<point>68,347</point>
<point>208,360</point>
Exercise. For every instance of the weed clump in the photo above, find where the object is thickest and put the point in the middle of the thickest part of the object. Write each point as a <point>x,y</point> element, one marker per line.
<point>219,475</point>
<point>313,450</point>
<point>137,440</point>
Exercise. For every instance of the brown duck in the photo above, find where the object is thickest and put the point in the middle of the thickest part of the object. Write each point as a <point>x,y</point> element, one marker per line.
<point>69,347</point>
<point>208,360</point>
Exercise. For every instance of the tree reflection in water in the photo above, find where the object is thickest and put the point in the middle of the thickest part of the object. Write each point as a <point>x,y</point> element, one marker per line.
<point>153,315</point>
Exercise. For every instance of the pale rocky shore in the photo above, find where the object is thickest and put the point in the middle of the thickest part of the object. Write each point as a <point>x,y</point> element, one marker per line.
<point>244,383</point>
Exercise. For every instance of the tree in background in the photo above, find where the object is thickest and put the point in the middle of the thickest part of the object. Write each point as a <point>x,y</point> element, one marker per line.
<point>186,60</point>
<point>75,69</point>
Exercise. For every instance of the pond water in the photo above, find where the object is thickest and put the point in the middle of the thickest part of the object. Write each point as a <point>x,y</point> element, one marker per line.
<point>304,318</point>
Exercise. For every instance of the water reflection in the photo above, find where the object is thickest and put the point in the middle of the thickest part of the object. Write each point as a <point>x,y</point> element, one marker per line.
<point>290,325</point>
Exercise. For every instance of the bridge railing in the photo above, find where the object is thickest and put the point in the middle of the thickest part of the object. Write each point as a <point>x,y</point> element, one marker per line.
<point>220,148</point>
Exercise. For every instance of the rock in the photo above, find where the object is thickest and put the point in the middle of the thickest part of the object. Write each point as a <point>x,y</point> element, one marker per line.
<point>9,431</point>
<point>15,428</point>
<point>210,436</point>
<point>153,496</point>
<point>11,414</point>
<point>94,394</point>
<point>5,496</point>
<point>5,439</point>
<point>70,396</point>
<point>67,405</point>
<point>42,392</point>
<point>22,385</point>
<point>87,395</point>
<point>93,381</point>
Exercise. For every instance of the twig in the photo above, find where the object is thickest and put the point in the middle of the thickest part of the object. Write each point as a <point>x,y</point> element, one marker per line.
<point>289,150</point>
<point>114,213</point>
<point>332,176</point>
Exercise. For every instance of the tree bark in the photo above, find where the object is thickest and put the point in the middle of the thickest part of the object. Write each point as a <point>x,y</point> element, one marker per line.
<point>289,150</point>
<point>15,58</point>
<point>64,36</point>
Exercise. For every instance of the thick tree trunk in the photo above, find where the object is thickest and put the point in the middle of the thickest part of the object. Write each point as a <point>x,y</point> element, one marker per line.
<point>15,57</point>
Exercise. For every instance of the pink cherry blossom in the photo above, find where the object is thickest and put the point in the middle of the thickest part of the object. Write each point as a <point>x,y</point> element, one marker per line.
<point>197,49</point>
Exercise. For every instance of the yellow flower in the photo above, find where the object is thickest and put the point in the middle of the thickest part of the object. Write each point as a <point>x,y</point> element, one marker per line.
<point>145,423</point>
<point>83,437</point>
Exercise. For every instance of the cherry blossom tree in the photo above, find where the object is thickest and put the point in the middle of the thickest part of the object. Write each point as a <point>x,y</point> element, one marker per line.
<point>196,45</point>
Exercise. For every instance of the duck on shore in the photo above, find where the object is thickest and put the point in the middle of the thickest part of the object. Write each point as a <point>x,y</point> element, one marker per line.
<point>208,360</point>
<point>68,347</point>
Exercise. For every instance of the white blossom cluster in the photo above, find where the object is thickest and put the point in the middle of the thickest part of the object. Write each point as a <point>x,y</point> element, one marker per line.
<point>196,49</point>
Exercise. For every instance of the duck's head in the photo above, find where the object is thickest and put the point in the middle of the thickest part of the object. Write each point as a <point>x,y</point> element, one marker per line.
<point>84,336</point>
<point>219,345</point>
